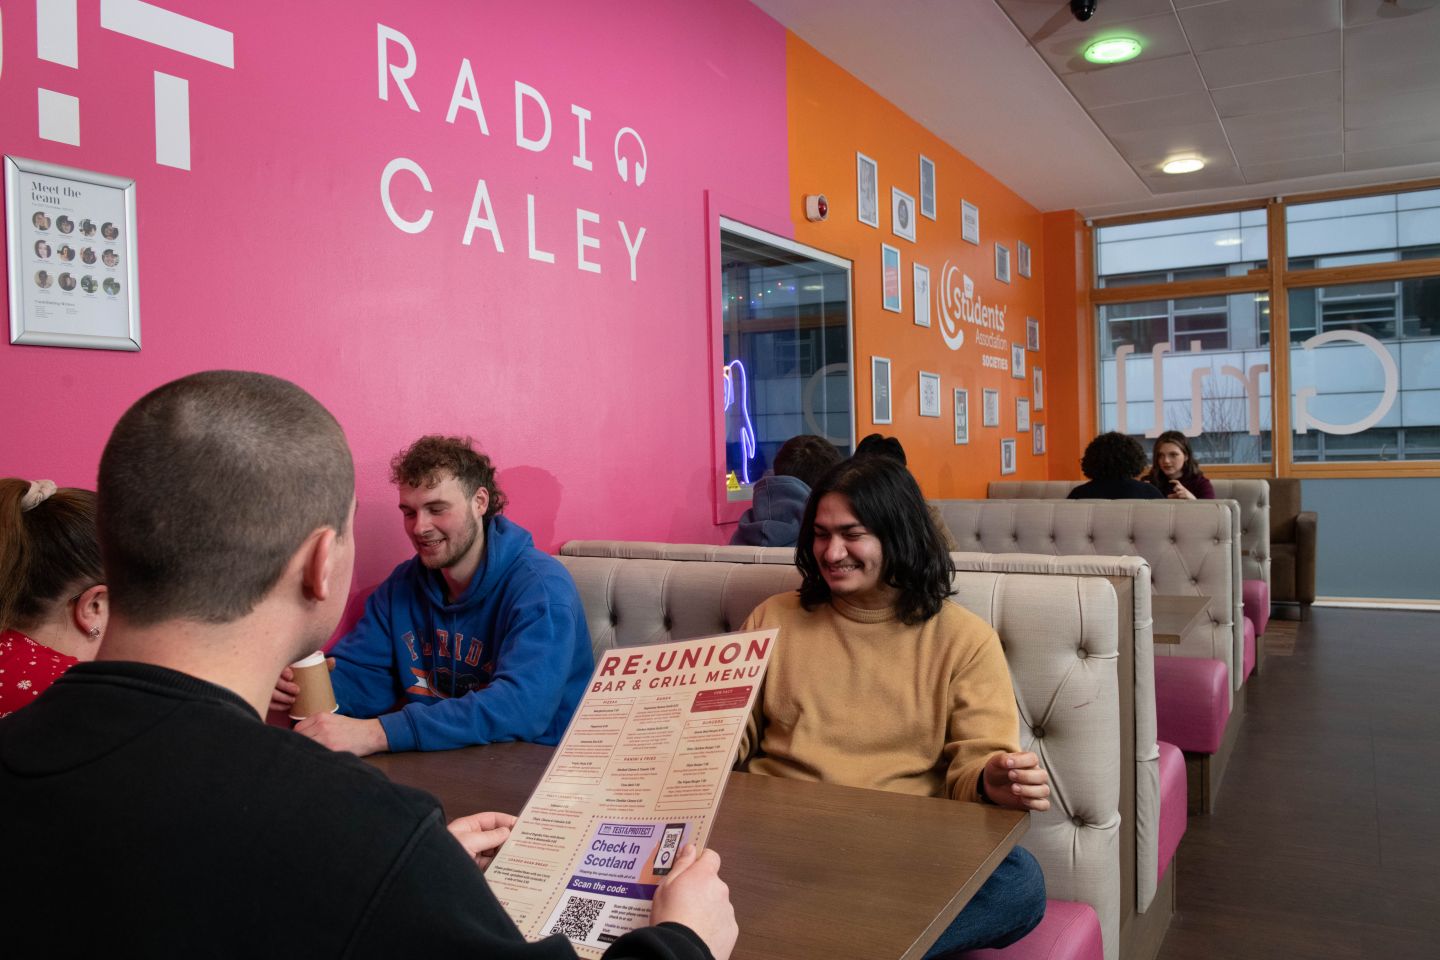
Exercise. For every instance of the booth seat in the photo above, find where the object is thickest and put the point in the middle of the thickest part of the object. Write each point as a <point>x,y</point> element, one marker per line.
<point>1192,548</point>
<point>1070,931</point>
<point>1293,533</point>
<point>1140,792</point>
<point>1061,638</point>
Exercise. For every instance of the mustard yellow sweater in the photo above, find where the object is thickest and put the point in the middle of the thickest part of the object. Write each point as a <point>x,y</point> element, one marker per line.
<point>856,697</point>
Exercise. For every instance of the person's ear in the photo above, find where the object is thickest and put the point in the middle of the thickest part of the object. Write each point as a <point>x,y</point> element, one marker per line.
<point>318,565</point>
<point>92,611</point>
<point>481,501</point>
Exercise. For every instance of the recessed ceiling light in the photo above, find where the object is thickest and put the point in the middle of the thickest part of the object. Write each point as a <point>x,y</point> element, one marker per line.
<point>1113,50</point>
<point>1183,165</point>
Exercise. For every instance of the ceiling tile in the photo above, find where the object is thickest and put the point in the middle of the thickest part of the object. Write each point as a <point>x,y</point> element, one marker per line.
<point>1182,110</point>
<point>1137,80</point>
<point>1235,23</point>
<point>1039,19</point>
<point>1293,169</point>
<point>1250,153</point>
<point>1274,96</point>
<point>1404,39</point>
<point>1368,11</point>
<point>1394,156</point>
<point>1150,148</point>
<point>1200,180</point>
<point>1402,106</point>
<point>1294,57</point>
<point>1282,126</point>
<point>1394,135</point>
<point>1384,77</point>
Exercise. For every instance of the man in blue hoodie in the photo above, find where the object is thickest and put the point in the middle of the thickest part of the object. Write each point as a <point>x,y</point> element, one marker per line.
<point>479,638</point>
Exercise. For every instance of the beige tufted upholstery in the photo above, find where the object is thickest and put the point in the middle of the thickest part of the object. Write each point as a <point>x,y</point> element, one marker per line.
<point>1060,636</point>
<point>1192,547</point>
<point>654,550</point>
<point>1252,498</point>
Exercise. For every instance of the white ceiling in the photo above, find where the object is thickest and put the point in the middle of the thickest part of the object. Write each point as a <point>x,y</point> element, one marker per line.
<point>1277,96</point>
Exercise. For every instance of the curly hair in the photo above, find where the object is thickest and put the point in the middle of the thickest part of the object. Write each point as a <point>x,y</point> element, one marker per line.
<point>805,458</point>
<point>1188,472</point>
<point>887,500</point>
<point>426,461</point>
<point>1113,456</point>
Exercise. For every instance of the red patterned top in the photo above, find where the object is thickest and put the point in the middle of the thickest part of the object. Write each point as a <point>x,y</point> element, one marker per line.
<point>26,669</point>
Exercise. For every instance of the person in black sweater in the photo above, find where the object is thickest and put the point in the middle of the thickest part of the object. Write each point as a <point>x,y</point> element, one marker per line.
<point>225,508</point>
<point>1113,462</point>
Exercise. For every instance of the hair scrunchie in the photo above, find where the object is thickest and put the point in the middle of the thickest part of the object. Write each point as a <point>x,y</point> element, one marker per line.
<point>39,492</point>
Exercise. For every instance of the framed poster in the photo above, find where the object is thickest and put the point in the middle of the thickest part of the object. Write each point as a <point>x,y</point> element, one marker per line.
<point>1032,334</point>
<point>1022,256</point>
<point>922,296</point>
<point>1022,414</point>
<point>962,416</point>
<point>1038,381</point>
<point>929,394</point>
<point>890,277</point>
<point>990,408</point>
<point>969,222</point>
<point>927,187</point>
<point>880,390</point>
<point>1037,439</point>
<point>1007,455</point>
<point>867,190</point>
<point>1017,361</point>
<point>1002,263</point>
<point>71,240</point>
<point>902,214</point>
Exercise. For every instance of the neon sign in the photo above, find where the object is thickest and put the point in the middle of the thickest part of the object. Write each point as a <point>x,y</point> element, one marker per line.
<point>739,393</point>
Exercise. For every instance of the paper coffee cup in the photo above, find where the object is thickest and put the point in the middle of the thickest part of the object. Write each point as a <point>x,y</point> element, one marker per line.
<point>316,694</point>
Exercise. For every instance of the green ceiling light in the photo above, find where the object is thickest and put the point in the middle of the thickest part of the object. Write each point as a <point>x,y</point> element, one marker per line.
<point>1113,50</point>
<point>1183,165</point>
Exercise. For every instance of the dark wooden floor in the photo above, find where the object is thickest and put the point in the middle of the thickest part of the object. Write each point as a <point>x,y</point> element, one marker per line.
<point>1326,838</point>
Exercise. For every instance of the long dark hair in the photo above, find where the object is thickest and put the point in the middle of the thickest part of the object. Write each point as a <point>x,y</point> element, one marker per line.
<point>887,500</point>
<point>1188,473</point>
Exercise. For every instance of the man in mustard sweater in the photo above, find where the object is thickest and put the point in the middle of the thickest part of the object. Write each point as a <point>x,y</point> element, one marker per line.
<point>880,681</point>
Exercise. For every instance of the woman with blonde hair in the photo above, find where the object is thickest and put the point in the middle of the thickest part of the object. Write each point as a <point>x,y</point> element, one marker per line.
<point>53,599</point>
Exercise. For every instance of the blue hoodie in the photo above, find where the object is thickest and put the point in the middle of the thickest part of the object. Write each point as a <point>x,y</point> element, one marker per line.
<point>776,510</point>
<point>508,661</point>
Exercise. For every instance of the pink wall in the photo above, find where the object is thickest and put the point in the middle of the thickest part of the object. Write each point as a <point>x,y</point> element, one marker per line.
<point>275,253</point>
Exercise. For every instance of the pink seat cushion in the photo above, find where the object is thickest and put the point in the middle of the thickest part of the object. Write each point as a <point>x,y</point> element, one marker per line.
<point>1249,663</point>
<point>1173,798</point>
<point>1070,931</point>
<point>1255,598</point>
<point>1192,702</point>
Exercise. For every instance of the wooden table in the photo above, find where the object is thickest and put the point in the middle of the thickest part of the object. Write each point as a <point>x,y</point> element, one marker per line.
<point>815,871</point>
<point>1173,616</point>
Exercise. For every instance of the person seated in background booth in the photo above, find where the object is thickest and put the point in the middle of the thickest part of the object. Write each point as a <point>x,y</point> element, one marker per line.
<point>841,702</point>
<point>1114,463</point>
<point>1175,472</point>
<point>53,599</point>
<point>478,638</point>
<point>876,444</point>
<point>226,513</point>
<point>773,519</point>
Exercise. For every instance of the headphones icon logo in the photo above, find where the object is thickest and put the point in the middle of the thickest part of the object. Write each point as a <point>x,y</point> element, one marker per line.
<point>622,164</point>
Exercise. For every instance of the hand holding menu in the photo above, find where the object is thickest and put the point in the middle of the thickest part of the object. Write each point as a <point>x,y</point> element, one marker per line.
<point>637,776</point>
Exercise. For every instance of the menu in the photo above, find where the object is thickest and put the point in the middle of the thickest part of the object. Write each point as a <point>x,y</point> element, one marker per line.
<point>637,776</point>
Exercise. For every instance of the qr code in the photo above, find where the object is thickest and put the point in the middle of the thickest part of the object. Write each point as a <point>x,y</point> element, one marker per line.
<point>578,917</point>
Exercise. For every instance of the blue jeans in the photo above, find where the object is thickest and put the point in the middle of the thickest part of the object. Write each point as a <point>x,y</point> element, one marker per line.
<point>1008,906</point>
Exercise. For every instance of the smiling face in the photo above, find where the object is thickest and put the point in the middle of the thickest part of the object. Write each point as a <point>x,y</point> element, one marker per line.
<point>1170,459</point>
<point>849,554</point>
<point>444,525</point>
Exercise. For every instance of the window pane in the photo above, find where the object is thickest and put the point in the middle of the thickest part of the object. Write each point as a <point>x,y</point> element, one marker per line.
<point>1363,229</point>
<point>1185,248</point>
<point>1373,392</point>
<point>1227,414</point>
<point>786,341</point>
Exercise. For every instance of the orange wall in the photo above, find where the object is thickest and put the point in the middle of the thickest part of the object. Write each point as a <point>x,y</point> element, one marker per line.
<point>1072,341</point>
<point>833,115</point>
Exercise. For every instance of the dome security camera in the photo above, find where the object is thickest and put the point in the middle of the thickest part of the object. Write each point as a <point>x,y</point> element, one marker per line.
<point>1083,9</point>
